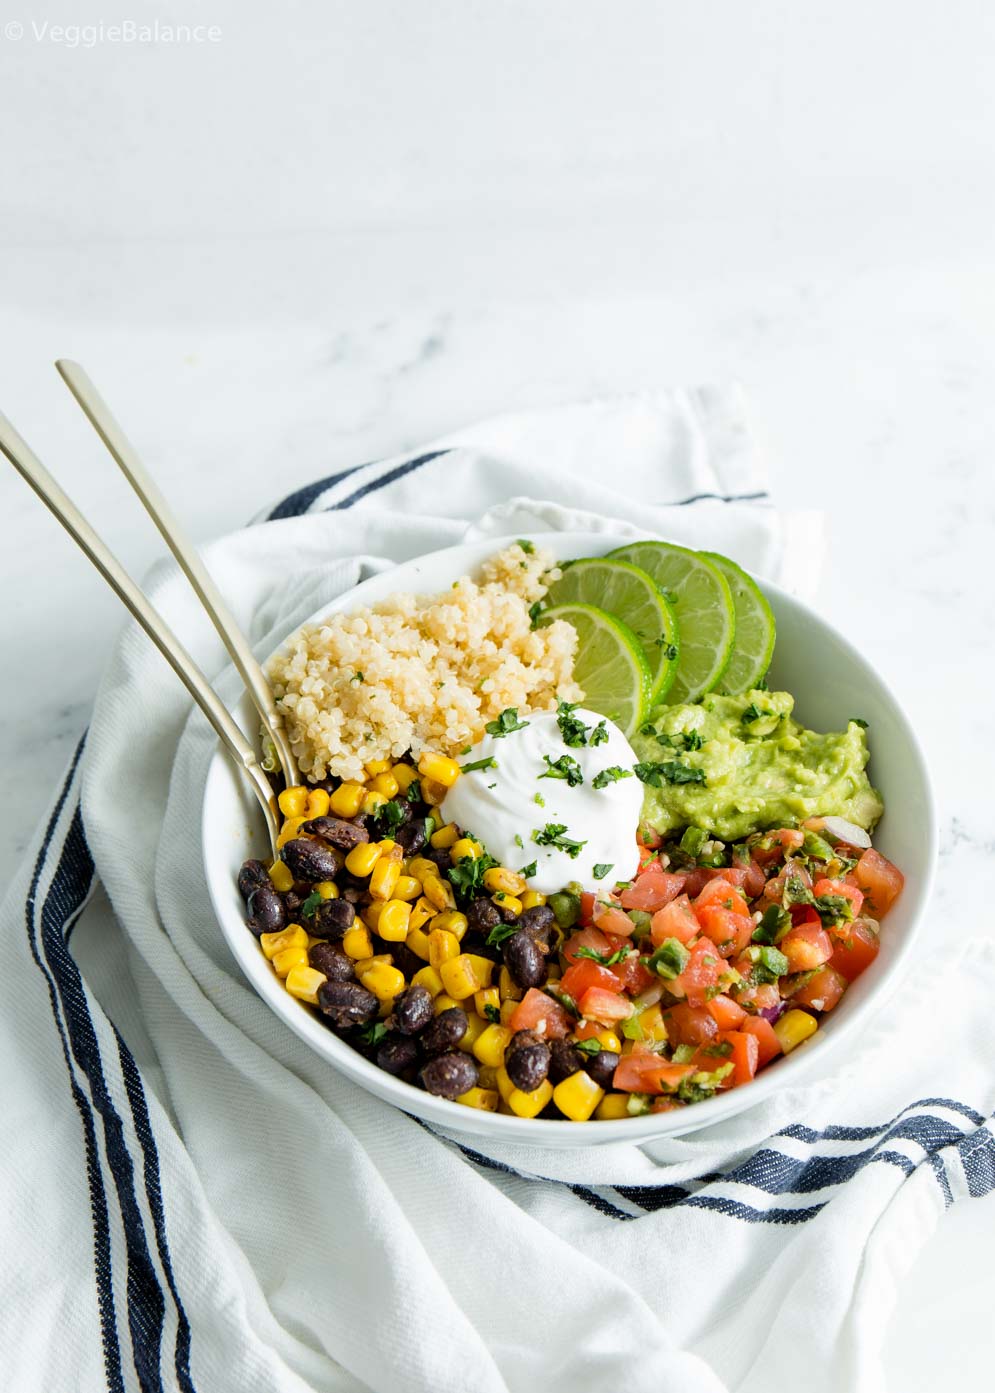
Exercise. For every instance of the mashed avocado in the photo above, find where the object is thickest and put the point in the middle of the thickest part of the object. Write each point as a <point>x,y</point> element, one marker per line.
<point>738,764</point>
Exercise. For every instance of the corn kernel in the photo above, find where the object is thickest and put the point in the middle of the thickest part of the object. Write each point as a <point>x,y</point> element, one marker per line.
<point>443,947</point>
<point>371,915</point>
<point>421,866</point>
<point>347,800</point>
<point>612,1107</point>
<point>607,1039</point>
<point>577,1096</point>
<point>500,878</point>
<point>293,936</point>
<point>289,830</point>
<point>793,1028</point>
<point>490,1045</point>
<point>475,1027</point>
<point>445,837</point>
<point>327,889</point>
<point>408,887</point>
<point>488,996</point>
<point>421,912</point>
<point>654,1027</point>
<point>393,922</point>
<point>428,978</point>
<point>483,967</point>
<point>433,792</point>
<point>280,877</point>
<point>357,943</point>
<point>373,802</point>
<point>452,921</point>
<point>365,964</point>
<point>438,767</point>
<point>439,892</point>
<point>459,975</point>
<point>384,980</point>
<point>532,899</point>
<point>318,803</point>
<point>386,784</point>
<point>377,766</point>
<point>509,902</point>
<point>303,982</point>
<point>484,1098</point>
<point>487,1077</point>
<point>384,877</point>
<point>508,1009</point>
<point>504,1084</point>
<point>417,941</point>
<point>464,849</point>
<point>288,959</point>
<point>362,858</point>
<point>405,776</point>
<point>524,1104</point>
<point>508,987</point>
<point>443,1002</point>
<point>292,802</point>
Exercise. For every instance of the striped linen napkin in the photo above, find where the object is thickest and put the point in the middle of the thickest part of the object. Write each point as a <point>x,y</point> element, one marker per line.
<point>195,1202</point>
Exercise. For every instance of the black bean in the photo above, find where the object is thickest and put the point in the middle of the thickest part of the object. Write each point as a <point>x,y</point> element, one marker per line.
<point>564,1060</point>
<point>311,861</point>
<point>347,1003</point>
<point>601,1067</point>
<point>265,912</point>
<point>540,922</point>
<point>396,1054</point>
<point>250,877</point>
<point>331,919</point>
<point>413,1010</point>
<point>292,901</point>
<point>352,894</point>
<point>408,962</point>
<point>473,943</point>
<point>336,831</point>
<point>506,913</point>
<point>326,958</point>
<point>440,855</point>
<point>411,837</point>
<point>482,916</point>
<point>445,1031</point>
<point>527,1060</point>
<point>449,1075</point>
<point>524,959</point>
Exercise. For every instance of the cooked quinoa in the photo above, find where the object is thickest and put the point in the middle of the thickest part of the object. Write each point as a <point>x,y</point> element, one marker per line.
<point>417,672</point>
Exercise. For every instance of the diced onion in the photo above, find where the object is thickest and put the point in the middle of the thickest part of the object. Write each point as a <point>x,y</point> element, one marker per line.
<point>848,832</point>
<point>649,997</point>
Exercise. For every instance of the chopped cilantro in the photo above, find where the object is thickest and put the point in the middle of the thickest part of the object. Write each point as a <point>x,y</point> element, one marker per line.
<point>834,909</point>
<point>681,740</point>
<point>599,735</point>
<point>720,1051</point>
<point>518,841</point>
<point>573,730</point>
<point>697,1087</point>
<point>602,869</point>
<point>762,686</point>
<point>774,924</point>
<point>526,546</point>
<point>467,876</point>
<point>391,814</point>
<point>567,1002</point>
<point>528,871</point>
<point>413,793</point>
<point>669,649</point>
<point>489,763</point>
<point>753,713</point>
<point>589,1047</point>
<point>493,1014</point>
<point>309,906</point>
<point>553,834</point>
<point>357,677</point>
<point>566,767</point>
<point>858,721</point>
<point>506,723</point>
<point>373,1034</point>
<point>670,771</point>
<point>611,775</point>
<point>538,798</point>
<point>499,933</point>
<point>535,609</point>
<point>796,892</point>
<point>605,959</point>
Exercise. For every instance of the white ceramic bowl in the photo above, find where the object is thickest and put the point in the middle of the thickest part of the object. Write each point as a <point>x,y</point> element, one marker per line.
<point>830,681</point>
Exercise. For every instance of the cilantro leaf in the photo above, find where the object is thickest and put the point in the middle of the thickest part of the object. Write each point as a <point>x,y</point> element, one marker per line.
<point>573,730</point>
<point>602,868</point>
<point>506,723</point>
<point>489,763</point>
<point>493,1014</point>
<point>391,814</point>
<point>670,771</point>
<point>611,775</point>
<point>599,735</point>
<point>528,871</point>
<point>467,875</point>
<point>858,721</point>
<point>373,1034</point>
<point>605,959</point>
<point>526,546</point>
<point>589,1047</point>
<point>499,933</point>
<point>774,924</point>
<point>566,767</point>
<point>553,834</point>
<point>309,905</point>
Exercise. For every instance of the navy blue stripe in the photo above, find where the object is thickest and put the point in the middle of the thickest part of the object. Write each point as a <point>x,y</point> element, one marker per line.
<point>653,1197</point>
<point>299,502</point>
<point>103,1274</point>
<point>153,1191</point>
<point>735,1209</point>
<point>977,1156</point>
<point>719,498</point>
<point>146,1303</point>
<point>390,477</point>
<point>940,1175</point>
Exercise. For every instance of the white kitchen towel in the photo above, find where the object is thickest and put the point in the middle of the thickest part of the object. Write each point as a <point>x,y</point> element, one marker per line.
<point>194,1202</point>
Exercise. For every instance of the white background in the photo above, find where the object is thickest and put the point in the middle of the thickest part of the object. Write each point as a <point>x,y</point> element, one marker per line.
<point>343,228</point>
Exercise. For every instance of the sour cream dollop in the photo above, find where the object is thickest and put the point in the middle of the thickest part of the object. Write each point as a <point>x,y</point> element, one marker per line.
<point>506,805</point>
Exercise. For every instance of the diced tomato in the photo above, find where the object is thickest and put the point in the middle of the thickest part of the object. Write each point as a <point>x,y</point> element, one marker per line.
<point>675,920</point>
<point>648,1073</point>
<point>600,1005</point>
<point>587,900</point>
<point>774,846</point>
<point>881,881</point>
<point>729,931</point>
<point>586,974</point>
<point>763,997</point>
<point>633,975</point>
<point>612,921</point>
<point>822,991</point>
<point>755,881</point>
<point>857,952</point>
<point>725,1012</point>
<point>732,875</point>
<point>666,1104</point>
<point>802,914</point>
<point>806,947</point>
<point>841,888</point>
<point>700,975</point>
<point>539,1012</point>
<point>689,1025</point>
<point>774,889</point>
<point>697,880</point>
<point>586,938</point>
<point>586,1030</point>
<point>766,1037</point>
<point>721,891</point>
<point>653,889</point>
<point>745,1055</point>
<point>648,836</point>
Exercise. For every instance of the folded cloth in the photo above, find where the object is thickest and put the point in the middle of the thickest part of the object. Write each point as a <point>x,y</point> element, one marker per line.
<point>195,1201</point>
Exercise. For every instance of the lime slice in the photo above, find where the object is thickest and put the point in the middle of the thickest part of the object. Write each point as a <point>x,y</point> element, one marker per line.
<point>610,665</point>
<point>754,643</point>
<point>701,598</point>
<point>629,594</point>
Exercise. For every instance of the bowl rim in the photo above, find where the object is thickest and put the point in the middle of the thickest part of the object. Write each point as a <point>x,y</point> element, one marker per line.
<point>543,1132</point>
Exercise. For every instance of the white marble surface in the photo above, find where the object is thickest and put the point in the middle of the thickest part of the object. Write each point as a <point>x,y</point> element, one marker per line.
<point>335,235</point>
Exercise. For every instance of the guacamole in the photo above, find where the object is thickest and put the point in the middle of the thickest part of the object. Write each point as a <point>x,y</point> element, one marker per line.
<point>738,764</point>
